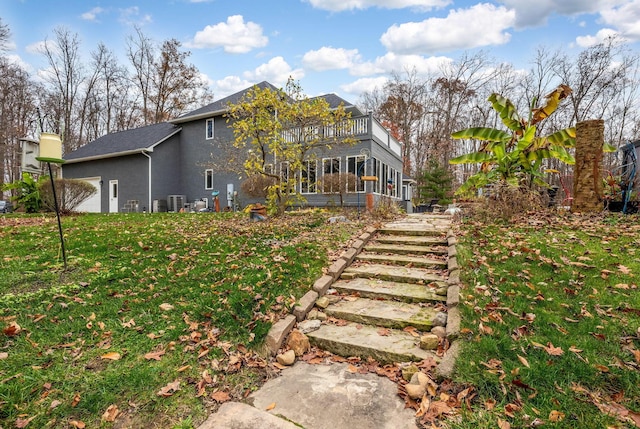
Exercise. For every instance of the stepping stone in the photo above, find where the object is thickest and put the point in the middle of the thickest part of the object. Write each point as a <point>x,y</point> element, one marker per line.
<point>411,240</point>
<point>390,314</point>
<point>406,249</point>
<point>414,261</point>
<point>394,274</point>
<point>412,231</point>
<point>367,341</point>
<point>372,288</point>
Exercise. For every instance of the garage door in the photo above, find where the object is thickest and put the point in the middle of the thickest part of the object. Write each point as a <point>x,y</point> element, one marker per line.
<point>91,204</point>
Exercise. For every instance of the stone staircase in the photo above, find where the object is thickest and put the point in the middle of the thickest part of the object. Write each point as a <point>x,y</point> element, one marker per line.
<point>393,293</point>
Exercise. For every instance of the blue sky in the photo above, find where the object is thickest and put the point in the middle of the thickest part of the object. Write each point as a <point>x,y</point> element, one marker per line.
<point>330,46</point>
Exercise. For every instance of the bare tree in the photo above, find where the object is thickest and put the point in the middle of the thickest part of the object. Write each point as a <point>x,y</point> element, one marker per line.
<point>66,77</point>
<point>167,84</point>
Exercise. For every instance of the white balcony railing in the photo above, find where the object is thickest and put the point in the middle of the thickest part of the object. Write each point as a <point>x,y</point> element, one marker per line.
<point>356,127</point>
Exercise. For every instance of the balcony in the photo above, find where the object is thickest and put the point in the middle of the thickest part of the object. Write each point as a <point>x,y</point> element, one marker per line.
<point>361,127</point>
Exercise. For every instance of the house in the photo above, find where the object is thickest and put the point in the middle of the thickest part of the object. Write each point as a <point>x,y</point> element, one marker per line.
<point>167,166</point>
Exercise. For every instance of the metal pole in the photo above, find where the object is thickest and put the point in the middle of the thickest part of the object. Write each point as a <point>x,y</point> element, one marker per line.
<point>55,204</point>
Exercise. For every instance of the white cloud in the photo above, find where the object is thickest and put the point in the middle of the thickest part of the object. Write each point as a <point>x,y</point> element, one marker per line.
<point>625,18</point>
<point>363,85</point>
<point>341,5</point>
<point>38,47</point>
<point>328,58</point>
<point>586,41</point>
<point>276,71</point>
<point>132,16</point>
<point>235,36</point>
<point>536,13</point>
<point>230,85</point>
<point>481,25</point>
<point>92,15</point>
<point>391,62</point>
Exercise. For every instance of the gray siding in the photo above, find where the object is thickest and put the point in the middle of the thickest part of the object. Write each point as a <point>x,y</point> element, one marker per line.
<point>130,171</point>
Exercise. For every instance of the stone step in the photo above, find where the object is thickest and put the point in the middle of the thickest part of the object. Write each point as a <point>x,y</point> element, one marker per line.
<point>395,274</point>
<point>389,314</point>
<point>413,261</point>
<point>381,344</point>
<point>406,249</point>
<point>405,292</point>
<point>413,231</point>
<point>411,240</point>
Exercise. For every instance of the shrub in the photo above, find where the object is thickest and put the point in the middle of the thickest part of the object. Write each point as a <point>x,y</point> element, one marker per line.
<point>504,201</point>
<point>27,194</point>
<point>337,184</point>
<point>69,192</point>
<point>257,185</point>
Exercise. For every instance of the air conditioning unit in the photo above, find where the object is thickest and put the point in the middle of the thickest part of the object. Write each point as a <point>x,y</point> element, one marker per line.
<point>159,206</point>
<point>176,202</point>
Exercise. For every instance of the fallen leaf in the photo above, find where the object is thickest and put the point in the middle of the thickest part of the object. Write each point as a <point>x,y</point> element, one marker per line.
<point>54,404</point>
<point>4,355</point>
<point>553,351</point>
<point>383,332</point>
<point>111,413</point>
<point>602,368</point>
<point>166,307</point>
<point>556,416</point>
<point>503,424</point>
<point>12,329</point>
<point>111,356</point>
<point>624,270</point>
<point>523,361</point>
<point>79,424</point>
<point>184,368</point>
<point>169,389</point>
<point>154,355</point>
<point>270,407</point>
<point>220,396</point>
<point>22,423</point>
<point>76,400</point>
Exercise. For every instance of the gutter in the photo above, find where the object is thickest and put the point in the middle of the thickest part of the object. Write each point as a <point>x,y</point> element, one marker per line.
<point>146,153</point>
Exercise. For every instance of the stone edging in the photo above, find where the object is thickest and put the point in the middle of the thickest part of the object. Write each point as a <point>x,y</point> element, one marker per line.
<point>282,328</point>
<point>446,366</point>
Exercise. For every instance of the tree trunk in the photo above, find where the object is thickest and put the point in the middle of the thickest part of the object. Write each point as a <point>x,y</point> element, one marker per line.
<point>587,180</point>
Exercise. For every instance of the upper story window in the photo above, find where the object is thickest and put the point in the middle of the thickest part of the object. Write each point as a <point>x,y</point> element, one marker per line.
<point>209,130</point>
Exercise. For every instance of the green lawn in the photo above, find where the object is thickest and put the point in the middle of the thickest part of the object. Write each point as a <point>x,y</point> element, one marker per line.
<point>157,318</point>
<point>551,322</point>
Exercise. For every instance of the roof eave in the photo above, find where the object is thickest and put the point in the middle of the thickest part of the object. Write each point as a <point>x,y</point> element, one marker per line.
<point>198,116</point>
<point>109,155</point>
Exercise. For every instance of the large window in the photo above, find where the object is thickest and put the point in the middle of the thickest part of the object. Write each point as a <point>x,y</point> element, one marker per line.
<point>285,177</point>
<point>356,166</point>
<point>308,177</point>
<point>208,179</point>
<point>330,166</point>
<point>209,130</point>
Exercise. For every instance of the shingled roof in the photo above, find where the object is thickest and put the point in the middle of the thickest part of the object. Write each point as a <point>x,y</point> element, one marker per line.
<point>220,106</point>
<point>122,143</point>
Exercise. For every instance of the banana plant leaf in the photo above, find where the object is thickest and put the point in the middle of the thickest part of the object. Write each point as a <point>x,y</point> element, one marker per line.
<point>482,133</point>
<point>473,158</point>
<point>507,112</point>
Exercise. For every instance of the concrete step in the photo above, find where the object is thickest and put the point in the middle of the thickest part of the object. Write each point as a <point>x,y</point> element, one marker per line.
<point>413,261</point>
<point>389,314</point>
<point>383,345</point>
<point>395,274</point>
<point>406,249</point>
<point>236,415</point>
<point>413,231</point>
<point>375,289</point>
<point>411,240</point>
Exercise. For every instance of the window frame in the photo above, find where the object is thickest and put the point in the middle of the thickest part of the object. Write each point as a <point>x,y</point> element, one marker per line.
<point>208,179</point>
<point>209,135</point>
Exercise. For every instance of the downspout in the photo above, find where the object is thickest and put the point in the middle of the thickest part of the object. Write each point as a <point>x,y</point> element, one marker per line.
<point>149,207</point>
